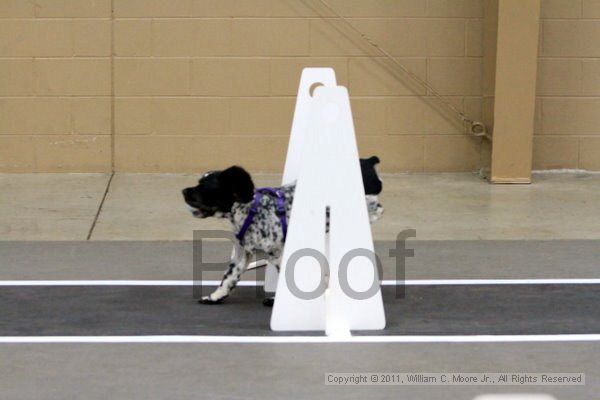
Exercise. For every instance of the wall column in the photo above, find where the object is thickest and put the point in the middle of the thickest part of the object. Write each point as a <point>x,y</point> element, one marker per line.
<point>510,83</point>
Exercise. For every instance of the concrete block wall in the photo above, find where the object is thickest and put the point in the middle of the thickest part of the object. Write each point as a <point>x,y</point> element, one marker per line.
<point>188,85</point>
<point>567,132</point>
<point>55,85</point>
<point>185,85</point>
<point>210,83</point>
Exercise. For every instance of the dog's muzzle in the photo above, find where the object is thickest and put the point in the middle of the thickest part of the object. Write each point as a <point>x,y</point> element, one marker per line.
<point>195,212</point>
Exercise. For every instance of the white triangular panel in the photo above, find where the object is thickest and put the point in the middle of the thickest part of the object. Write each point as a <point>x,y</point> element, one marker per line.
<point>329,176</point>
<point>310,78</point>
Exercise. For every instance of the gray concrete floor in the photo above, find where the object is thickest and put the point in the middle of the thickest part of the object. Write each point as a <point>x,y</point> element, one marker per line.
<point>49,206</point>
<point>174,260</point>
<point>278,371</point>
<point>466,229</point>
<point>438,206</point>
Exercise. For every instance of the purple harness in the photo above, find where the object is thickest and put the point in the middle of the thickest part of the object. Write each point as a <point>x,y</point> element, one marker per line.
<point>254,209</point>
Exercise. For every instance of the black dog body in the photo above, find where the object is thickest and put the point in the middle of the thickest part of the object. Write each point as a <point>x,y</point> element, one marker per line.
<point>230,194</point>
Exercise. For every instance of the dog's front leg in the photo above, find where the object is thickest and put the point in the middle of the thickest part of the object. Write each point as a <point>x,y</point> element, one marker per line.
<point>237,266</point>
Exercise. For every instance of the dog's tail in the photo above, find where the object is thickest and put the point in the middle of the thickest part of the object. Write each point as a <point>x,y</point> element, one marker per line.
<point>371,180</point>
<point>373,160</point>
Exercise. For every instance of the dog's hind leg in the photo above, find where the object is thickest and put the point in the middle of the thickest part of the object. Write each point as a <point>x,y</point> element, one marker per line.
<point>237,266</point>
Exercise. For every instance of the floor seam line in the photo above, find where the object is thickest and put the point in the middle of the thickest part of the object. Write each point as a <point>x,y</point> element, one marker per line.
<point>104,196</point>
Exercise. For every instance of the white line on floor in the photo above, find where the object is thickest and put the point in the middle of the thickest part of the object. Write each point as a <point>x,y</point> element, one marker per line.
<point>408,282</point>
<point>302,339</point>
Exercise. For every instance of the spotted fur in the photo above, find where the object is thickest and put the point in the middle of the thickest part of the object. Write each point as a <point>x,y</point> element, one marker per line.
<point>265,233</point>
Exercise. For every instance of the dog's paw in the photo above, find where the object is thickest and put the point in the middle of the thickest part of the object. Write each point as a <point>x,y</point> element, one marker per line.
<point>269,301</point>
<point>210,301</point>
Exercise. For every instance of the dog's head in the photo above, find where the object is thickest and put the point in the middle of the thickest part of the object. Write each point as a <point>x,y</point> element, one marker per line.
<point>218,190</point>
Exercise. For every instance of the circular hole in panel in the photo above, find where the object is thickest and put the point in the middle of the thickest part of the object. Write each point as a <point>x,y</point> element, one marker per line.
<point>312,88</point>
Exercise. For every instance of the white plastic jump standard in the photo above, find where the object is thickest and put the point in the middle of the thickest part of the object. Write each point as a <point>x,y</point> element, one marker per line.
<point>295,153</point>
<point>329,176</point>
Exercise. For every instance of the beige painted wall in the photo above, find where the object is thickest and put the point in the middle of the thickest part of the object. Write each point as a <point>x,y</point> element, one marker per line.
<point>199,84</point>
<point>567,130</point>
<point>55,85</point>
<point>187,85</point>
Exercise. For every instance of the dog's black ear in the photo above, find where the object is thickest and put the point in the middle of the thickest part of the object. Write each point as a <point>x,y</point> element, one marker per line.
<point>238,182</point>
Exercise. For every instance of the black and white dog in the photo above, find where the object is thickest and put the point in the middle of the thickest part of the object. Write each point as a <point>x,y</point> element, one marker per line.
<point>259,216</point>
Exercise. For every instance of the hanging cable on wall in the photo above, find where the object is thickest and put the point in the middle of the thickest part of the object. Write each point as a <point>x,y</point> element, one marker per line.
<point>475,128</point>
